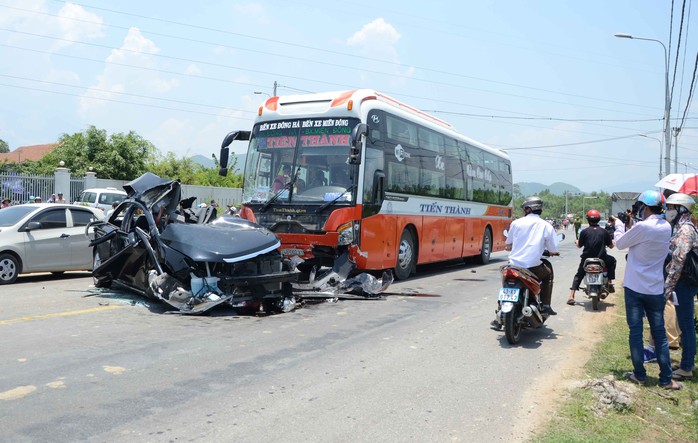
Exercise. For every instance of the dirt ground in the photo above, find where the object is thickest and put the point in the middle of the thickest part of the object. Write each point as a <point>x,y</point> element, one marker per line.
<point>549,391</point>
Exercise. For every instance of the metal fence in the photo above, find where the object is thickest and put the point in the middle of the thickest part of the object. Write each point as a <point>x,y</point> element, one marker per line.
<point>18,188</point>
<point>22,188</point>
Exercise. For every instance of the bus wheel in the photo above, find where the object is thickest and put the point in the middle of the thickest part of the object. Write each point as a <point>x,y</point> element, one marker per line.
<point>484,256</point>
<point>406,256</point>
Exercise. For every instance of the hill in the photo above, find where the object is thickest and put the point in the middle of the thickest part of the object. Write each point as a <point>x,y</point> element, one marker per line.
<point>558,188</point>
<point>208,162</point>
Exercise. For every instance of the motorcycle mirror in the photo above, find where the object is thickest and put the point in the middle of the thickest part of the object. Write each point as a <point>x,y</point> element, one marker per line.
<point>506,233</point>
<point>560,236</point>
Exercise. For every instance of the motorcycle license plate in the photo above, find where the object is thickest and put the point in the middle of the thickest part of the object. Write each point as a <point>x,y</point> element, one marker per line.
<point>509,294</point>
<point>594,279</point>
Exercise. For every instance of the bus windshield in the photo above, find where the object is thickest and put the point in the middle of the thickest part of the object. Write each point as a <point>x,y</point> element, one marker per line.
<point>300,161</point>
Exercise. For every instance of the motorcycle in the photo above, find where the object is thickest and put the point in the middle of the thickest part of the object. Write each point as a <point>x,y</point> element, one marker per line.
<point>596,280</point>
<point>519,305</point>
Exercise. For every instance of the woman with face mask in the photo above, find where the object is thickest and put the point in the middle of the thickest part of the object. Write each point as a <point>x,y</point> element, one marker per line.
<point>685,237</point>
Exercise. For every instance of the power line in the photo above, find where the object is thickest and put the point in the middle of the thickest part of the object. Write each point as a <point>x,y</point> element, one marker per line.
<point>343,54</point>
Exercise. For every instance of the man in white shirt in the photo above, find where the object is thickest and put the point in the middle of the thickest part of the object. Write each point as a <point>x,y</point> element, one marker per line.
<point>528,237</point>
<point>648,247</point>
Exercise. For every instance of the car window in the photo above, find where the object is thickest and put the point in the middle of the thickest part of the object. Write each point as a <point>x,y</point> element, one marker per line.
<point>88,197</point>
<point>109,198</point>
<point>10,216</point>
<point>81,217</point>
<point>51,218</point>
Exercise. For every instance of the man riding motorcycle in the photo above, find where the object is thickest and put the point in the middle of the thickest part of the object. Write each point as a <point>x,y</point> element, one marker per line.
<point>528,237</point>
<point>594,240</point>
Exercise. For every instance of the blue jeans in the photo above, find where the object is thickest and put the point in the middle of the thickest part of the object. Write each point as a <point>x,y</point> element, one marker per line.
<point>637,306</point>
<point>684,315</point>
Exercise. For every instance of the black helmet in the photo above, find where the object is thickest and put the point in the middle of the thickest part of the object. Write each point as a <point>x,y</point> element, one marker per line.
<point>534,203</point>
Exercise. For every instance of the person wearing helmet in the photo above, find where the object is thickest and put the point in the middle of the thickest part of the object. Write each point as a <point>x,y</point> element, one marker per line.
<point>648,246</point>
<point>594,240</point>
<point>528,237</point>
<point>679,213</point>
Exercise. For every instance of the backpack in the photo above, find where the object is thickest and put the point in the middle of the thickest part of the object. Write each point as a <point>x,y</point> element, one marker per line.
<point>690,266</point>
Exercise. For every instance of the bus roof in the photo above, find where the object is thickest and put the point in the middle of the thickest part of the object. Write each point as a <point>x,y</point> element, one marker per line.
<point>340,102</point>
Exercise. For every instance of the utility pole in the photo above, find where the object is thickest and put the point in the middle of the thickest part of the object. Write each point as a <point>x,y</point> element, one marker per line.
<point>275,86</point>
<point>676,131</point>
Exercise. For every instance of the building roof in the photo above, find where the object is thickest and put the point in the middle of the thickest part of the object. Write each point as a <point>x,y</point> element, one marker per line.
<point>26,153</point>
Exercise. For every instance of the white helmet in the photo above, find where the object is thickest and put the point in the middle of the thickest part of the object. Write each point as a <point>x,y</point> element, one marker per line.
<point>680,199</point>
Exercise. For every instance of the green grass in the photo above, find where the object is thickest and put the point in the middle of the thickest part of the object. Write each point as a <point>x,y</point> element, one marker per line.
<point>656,415</point>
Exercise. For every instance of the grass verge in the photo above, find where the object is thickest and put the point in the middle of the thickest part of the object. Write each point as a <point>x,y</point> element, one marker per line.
<point>651,414</point>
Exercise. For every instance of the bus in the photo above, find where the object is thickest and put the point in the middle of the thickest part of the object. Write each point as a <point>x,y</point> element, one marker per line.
<point>361,176</point>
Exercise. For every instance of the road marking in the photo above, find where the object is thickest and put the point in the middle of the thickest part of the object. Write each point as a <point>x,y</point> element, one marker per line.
<point>57,314</point>
<point>17,393</point>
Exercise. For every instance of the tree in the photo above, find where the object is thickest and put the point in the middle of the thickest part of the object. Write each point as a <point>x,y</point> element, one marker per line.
<point>119,156</point>
<point>4,147</point>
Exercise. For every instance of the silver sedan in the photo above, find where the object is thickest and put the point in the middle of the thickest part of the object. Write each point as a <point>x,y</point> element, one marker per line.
<point>44,237</point>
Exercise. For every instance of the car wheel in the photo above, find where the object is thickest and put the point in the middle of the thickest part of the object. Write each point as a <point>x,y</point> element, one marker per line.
<point>9,269</point>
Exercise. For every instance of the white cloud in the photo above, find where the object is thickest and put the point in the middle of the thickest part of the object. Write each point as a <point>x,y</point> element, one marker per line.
<point>378,40</point>
<point>136,50</point>
<point>193,70</point>
<point>76,23</point>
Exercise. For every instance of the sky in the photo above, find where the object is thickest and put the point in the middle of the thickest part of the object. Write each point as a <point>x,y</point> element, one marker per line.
<point>545,80</point>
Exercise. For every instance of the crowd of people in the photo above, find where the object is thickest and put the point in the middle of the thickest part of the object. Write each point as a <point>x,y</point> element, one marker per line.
<point>55,198</point>
<point>658,234</point>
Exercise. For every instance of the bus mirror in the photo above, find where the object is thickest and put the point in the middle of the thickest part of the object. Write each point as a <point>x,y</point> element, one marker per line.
<point>231,137</point>
<point>359,131</point>
<point>224,159</point>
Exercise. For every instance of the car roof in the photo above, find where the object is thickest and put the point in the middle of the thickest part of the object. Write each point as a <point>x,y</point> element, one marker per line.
<point>118,191</point>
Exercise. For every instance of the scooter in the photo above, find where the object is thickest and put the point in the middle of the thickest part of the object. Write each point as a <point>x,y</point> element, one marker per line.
<point>519,305</point>
<point>596,280</point>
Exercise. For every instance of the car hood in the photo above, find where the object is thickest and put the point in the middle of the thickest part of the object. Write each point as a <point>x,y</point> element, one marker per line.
<point>230,241</point>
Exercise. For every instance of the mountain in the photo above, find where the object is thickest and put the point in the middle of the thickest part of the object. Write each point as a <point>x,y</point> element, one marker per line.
<point>208,162</point>
<point>558,188</point>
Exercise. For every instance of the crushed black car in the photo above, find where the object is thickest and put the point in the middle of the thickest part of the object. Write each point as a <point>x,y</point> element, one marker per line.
<point>156,245</point>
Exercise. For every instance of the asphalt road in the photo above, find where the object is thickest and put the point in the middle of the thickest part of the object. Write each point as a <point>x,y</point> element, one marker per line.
<point>421,364</point>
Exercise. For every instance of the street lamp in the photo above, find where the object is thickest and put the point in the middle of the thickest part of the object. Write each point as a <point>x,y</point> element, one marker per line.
<point>667,101</point>
<point>660,152</point>
<point>585,198</point>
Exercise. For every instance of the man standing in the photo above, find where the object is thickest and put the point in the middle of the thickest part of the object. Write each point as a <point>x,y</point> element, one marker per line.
<point>648,247</point>
<point>528,237</point>
<point>577,226</point>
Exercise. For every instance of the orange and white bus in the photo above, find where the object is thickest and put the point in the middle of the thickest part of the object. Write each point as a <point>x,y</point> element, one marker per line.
<point>361,174</point>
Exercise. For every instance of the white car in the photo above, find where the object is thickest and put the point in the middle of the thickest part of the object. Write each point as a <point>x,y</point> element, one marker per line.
<point>101,198</point>
<point>44,237</point>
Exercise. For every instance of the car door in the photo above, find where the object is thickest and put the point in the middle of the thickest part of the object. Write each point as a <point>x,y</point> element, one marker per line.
<point>79,243</point>
<point>47,245</point>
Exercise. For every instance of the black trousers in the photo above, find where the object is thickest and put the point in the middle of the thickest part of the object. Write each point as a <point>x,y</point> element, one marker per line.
<point>610,265</point>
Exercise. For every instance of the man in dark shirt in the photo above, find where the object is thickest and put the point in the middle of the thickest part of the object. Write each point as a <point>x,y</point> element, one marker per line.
<point>594,240</point>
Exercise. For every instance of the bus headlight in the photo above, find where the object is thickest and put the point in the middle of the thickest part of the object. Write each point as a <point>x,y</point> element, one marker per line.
<point>346,234</point>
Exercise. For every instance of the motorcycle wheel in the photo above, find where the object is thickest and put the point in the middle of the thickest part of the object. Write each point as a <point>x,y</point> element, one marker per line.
<point>512,328</point>
<point>595,303</point>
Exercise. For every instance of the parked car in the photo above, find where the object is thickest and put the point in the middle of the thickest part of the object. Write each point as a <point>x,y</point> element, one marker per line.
<point>44,237</point>
<point>101,198</point>
<point>156,245</point>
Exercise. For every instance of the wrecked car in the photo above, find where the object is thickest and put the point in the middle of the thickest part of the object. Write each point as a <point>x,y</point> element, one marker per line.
<point>156,245</point>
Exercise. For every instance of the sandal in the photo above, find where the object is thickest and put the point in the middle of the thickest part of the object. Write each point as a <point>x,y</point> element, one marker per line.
<point>681,375</point>
<point>630,376</point>
<point>570,301</point>
<point>673,386</point>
